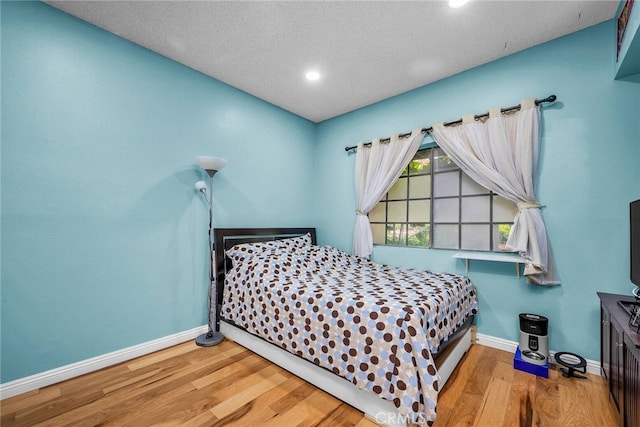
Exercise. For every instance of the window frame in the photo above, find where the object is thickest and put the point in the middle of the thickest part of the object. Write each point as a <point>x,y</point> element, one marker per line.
<point>432,172</point>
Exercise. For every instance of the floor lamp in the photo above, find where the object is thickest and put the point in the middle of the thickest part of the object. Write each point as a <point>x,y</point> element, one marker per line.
<point>213,336</point>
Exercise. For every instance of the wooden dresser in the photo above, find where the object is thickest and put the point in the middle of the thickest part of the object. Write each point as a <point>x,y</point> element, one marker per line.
<point>620,358</point>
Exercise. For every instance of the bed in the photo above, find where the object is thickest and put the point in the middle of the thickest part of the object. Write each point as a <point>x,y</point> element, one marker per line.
<point>380,338</point>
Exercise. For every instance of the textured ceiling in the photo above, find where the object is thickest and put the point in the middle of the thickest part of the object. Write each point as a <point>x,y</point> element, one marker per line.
<point>366,51</point>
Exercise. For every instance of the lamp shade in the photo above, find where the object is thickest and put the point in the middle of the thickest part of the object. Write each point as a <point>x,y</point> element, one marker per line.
<point>211,163</point>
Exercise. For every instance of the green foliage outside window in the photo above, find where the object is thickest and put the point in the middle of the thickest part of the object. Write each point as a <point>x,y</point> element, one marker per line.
<point>420,237</point>
<point>504,230</point>
<point>408,235</point>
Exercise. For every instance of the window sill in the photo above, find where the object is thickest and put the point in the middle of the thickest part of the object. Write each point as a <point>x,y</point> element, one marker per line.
<point>491,256</point>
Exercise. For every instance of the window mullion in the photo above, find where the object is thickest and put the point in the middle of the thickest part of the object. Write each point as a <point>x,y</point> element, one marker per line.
<point>432,202</point>
<point>491,194</point>
<point>459,208</point>
<point>386,219</point>
<point>407,195</point>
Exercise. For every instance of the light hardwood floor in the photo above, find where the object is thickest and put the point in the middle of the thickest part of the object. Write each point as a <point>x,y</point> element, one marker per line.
<point>228,385</point>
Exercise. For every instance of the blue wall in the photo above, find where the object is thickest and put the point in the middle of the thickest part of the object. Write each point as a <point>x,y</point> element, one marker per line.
<point>103,235</point>
<point>588,174</point>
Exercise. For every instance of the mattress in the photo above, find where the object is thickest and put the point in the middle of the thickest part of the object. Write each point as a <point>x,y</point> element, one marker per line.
<point>375,325</point>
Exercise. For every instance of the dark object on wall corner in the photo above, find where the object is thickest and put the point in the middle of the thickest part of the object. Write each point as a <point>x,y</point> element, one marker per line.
<point>623,20</point>
<point>572,363</point>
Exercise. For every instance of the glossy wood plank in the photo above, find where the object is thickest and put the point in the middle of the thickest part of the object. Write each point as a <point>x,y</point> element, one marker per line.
<point>515,398</point>
<point>227,385</point>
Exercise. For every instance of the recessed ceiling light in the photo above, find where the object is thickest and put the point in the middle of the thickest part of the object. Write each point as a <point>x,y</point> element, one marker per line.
<point>312,75</point>
<point>457,3</point>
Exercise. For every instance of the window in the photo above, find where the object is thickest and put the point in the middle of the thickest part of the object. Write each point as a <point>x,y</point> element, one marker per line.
<point>434,204</point>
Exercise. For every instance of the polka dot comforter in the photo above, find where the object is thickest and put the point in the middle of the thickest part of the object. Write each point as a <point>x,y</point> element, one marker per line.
<point>373,324</point>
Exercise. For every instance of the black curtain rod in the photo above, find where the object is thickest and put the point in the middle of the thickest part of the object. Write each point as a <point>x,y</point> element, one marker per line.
<point>550,98</point>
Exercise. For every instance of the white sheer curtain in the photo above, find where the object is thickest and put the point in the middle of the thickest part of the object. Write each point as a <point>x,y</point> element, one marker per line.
<point>377,168</point>
<point>501,154</point>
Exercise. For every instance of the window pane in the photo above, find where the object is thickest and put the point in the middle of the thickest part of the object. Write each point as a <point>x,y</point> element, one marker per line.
<point>421,162</point>
<point>377,214</point>
<point>500,236</point>
<point>476,209</point>
<point>465,214</point>
<point>398,211</point>
<point>399,189</point>
<point>396,234</point>
<point>445,236</point>
<point>419,210</point>
<point>469,186</point>
<point>475,237</point>
<point>420,186</point>
<point>418,235</point>
<point>378,233</point>
<point>446,210</point>
<point>446,184</point>
<point>441,161</point>
<point>503,210</point>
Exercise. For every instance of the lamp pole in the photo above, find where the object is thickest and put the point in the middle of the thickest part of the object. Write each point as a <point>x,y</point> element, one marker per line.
<point>213,336</point>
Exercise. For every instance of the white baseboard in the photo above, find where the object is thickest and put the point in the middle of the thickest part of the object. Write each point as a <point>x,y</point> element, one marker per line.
<point>593,366</point>
<point>53,376</point>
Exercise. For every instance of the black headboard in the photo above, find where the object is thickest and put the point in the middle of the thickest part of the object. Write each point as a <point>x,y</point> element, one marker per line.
<point>225,238</point>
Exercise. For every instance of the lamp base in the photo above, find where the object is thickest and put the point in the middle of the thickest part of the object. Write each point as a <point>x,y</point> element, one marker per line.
<point>209,339</point>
